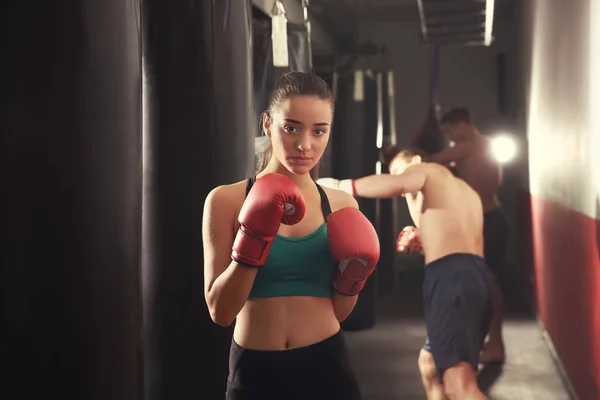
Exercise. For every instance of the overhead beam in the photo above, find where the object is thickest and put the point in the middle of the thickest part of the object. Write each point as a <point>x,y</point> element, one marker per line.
<point>453,29</point>
<point>449,3</point>
<point>453,13</point>
<point>452,5</point>
<point>454,18</point>
<point>459,36</point>
<point>470,21</point>
<point>387,12</point>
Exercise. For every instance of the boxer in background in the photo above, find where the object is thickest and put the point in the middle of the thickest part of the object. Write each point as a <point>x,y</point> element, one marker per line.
<point>473,159</point>
<point>458,284</point>
<point>287,258</point>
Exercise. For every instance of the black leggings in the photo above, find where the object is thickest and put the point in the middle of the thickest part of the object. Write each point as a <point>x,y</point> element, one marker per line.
<point>320,371</point>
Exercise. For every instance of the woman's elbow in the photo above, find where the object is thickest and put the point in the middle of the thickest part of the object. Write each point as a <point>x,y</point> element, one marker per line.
<point>221,320</point>
<point>217,314</point>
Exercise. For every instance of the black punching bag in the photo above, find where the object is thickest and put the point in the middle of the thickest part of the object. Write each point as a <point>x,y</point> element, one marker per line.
<point>387,217</point>
<point>198,117</point>
<point>354,138</point>
<point>369,150</point>
<point>430,137</point>
<point>72,200</point>
<point>354,154</point>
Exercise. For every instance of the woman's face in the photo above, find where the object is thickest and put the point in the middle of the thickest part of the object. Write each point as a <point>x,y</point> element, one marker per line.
<point>299,132</point>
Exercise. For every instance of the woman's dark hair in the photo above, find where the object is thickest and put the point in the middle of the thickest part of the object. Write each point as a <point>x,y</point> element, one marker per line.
<point>288,85</point>
<point>456,115</point>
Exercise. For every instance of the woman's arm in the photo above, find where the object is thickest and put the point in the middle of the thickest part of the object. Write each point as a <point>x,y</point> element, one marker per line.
<point>343,305</point>
<point>227,284</point>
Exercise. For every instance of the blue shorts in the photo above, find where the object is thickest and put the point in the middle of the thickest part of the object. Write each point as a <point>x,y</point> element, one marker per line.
<point>457,292</point>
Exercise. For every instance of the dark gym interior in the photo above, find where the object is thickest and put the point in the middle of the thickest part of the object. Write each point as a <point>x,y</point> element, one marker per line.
<point>120,116</point>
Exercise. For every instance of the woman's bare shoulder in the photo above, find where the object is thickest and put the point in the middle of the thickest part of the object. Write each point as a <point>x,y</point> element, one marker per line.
<point>339,199</point>
<point>229,196</point>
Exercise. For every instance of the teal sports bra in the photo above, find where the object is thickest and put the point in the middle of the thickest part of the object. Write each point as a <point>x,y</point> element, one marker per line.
<point>300,266</point>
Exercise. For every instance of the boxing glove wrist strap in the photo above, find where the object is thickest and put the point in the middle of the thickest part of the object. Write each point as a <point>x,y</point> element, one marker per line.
<point>250,250</point>
<point>240,262</point>
<point>347,185</point>
<point>349,288</point>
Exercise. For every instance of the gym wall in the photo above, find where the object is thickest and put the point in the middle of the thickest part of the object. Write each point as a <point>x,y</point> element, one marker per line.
<point>561,88</point>
<point>468,74</point>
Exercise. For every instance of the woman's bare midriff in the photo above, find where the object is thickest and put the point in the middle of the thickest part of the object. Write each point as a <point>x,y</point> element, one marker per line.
<point>283,323</point>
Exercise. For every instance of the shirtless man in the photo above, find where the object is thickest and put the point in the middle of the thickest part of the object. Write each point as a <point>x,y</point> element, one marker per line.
<point>475,164</point>
<point>458,284</point>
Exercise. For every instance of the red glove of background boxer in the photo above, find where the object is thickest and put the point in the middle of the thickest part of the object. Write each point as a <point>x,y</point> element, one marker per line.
<point>273,199</point>
<point>409,241</point>
<point>354,244</point>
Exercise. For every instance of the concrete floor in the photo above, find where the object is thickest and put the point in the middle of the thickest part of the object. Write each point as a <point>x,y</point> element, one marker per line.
<point>384,357</point>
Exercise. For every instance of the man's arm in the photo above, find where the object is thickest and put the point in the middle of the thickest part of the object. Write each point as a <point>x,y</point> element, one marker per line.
<point>385,186</point>
<point>456,153</point>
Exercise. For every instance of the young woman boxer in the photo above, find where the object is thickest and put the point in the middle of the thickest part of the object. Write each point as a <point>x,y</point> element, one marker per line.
<point>287,258</point>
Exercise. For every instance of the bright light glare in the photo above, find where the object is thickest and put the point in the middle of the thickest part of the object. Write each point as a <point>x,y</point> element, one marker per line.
<point>504,148</point>
<point>489,21</point>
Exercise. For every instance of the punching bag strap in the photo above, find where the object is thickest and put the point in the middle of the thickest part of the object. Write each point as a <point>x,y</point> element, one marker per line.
<point>434,72</point>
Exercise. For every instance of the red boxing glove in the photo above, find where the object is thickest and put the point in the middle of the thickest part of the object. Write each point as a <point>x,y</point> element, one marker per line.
<point>409,241</point>
<point>274,199</point>
<point>354,244</point>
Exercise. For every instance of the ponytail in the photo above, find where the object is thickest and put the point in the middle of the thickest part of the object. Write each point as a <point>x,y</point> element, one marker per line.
<point>263,149</point>
<point>263,157</point>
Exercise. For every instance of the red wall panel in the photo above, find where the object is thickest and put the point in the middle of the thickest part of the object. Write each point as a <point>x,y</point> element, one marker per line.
<point>567,288</point>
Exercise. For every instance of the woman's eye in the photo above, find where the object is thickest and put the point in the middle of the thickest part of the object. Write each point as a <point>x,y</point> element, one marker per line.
<point>290,129</point>
<point>319,132</point>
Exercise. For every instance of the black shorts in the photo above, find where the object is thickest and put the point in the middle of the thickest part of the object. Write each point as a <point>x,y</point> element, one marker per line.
<point>495,239</point>
<point>457,293</point>
<point>320,371</point>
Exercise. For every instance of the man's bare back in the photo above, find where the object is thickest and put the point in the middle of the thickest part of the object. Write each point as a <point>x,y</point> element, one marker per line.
<point>448,213</point>
<point>481,171</point>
